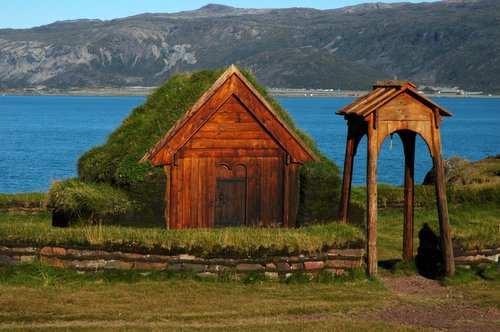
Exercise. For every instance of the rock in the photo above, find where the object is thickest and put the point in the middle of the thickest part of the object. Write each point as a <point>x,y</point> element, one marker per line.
<point>342,264</point>
<point>53,261</point>
<point>194,267</point>
<point>283,267</point>
<point>23,250</point>
<point>118,265</point>
<point>53,251</point>
<point>355,253</point>
<point>7,260</point>
<point>185,257</point>
<point>27,259</point>
<point>311,266</point>
<point>150,266</point>
<point>249,267</point>
<point>270,267</point>
<point>454,172</point>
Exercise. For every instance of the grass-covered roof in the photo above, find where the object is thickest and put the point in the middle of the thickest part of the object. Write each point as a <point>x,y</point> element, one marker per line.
<point>117,162</point>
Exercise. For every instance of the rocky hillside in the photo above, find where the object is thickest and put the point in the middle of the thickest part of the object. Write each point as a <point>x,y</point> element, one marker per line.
<point>454,42</point>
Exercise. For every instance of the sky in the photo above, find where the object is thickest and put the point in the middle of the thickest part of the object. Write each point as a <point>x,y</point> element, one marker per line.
<point>30,13</point>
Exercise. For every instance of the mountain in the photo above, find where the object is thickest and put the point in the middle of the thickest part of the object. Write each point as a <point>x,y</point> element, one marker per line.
<point>451,43</point>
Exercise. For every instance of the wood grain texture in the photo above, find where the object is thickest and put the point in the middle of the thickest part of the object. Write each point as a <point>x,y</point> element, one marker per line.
<point>408,138</point>
<point>396,107</point>
<point>232,161</point>
<point>371,198</point>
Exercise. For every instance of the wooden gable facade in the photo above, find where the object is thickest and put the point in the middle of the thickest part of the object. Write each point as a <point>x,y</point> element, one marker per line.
<point>230,161</point>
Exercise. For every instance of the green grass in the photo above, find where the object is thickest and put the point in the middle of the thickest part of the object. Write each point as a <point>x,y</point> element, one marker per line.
<point>92,201</point>
<point>58,299</point>
<point>472,227</point>
<point>23,200</point>
<point>66,300</point>
<point>116,163</point>
<point>390,196</point>
<point>234,242</point>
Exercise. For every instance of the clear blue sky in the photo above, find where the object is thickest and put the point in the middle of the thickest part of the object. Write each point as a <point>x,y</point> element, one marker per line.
<point>29,13</point>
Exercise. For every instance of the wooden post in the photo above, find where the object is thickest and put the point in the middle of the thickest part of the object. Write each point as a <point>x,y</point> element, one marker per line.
<point>442,206</point>
<point>408,139</point>
<point>345,193</point>
<point>371,198</point>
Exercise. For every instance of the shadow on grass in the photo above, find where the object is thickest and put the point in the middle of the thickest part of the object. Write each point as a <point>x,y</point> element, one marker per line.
<point>428,262</point>
<point>429,259</point>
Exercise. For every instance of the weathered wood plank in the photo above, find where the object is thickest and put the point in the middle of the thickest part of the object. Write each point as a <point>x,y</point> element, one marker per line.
<point>408,139</point>
<point>371,204</point>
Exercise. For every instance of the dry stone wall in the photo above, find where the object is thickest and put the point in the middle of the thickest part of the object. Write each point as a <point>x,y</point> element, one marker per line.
<point>335,261</point>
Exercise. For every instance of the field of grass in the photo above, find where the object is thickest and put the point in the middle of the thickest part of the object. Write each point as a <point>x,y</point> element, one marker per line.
<point>64,300</point>
<point>399,300</point>
<point>472,227</point>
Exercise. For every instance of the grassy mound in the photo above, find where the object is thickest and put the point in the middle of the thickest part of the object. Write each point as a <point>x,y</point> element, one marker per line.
<point>459,171</point>
<point>116,163</point>
<point>94,201</point>
<point>36,229</point>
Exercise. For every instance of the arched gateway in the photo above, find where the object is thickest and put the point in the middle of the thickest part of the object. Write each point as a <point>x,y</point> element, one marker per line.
<point>395,107</point>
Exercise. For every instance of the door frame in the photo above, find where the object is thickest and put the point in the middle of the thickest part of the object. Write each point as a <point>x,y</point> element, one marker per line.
<point>231,167</point>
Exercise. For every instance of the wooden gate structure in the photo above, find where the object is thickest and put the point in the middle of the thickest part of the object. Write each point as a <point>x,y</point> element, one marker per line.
<point>395,107</point>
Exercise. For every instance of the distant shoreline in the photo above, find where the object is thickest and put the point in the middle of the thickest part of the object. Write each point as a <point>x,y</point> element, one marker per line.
<point>146,91</point>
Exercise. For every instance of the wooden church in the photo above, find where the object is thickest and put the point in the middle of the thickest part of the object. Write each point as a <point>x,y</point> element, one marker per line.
<point>231,161</point>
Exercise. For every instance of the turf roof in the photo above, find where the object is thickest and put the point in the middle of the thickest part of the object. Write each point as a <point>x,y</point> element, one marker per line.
<point>117,161</point>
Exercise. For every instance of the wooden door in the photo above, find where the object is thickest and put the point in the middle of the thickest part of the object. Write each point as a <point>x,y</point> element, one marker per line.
<point>230,196</point>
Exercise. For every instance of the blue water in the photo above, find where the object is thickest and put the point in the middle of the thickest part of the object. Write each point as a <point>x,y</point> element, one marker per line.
<point>42,137</point>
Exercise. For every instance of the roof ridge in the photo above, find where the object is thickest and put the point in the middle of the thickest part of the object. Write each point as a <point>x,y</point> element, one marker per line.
<point>205,97</point>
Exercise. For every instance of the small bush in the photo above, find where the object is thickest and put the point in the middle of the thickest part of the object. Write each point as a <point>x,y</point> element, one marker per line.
<point>92,201</point>
<point>319,192</point>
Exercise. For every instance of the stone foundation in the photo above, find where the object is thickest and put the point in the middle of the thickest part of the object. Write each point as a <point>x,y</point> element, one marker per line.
<point>477,256</point>
<point>335,261</point>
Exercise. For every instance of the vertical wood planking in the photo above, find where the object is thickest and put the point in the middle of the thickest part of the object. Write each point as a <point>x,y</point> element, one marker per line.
<point>210,182</point>
<point>168,196</point>
<point>186,193</point>
<point>286,194</point>
<point>293,205</point>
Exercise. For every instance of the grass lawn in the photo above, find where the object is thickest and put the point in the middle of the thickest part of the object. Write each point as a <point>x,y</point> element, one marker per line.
<point>472,226</point>
<point>38,298</point>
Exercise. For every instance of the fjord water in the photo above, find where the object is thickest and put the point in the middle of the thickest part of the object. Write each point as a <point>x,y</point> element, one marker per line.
<point>41,137</point>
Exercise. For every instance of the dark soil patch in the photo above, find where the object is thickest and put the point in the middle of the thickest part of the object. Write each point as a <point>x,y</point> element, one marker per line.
<point>417,285</point>
<point>445,310</point>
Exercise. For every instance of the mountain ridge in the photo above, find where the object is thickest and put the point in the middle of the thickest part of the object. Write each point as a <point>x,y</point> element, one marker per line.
<point>453,43</point>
